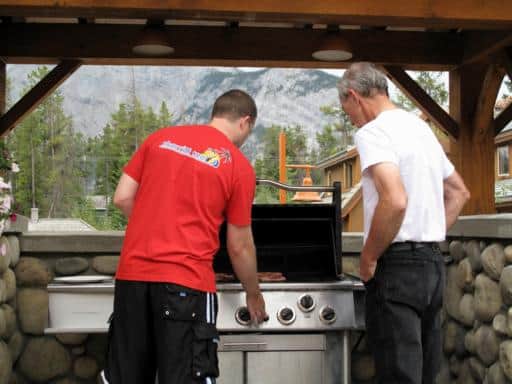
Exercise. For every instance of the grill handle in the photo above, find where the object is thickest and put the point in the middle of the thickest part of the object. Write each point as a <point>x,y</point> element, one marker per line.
<point>296,188</point>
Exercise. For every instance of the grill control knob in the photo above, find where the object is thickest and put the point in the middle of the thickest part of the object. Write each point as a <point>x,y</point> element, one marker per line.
<point>328,315</point>
<point>306,303</point>
<point>243,316</point>
<point>286,315</point>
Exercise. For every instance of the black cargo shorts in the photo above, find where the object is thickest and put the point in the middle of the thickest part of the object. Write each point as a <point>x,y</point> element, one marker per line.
<point>162,329</point>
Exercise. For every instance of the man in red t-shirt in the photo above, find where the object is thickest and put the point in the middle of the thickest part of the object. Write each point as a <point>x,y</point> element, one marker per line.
<point>177,189</point>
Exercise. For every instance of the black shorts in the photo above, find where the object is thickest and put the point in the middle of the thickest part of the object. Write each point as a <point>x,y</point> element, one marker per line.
<point>162,329</point>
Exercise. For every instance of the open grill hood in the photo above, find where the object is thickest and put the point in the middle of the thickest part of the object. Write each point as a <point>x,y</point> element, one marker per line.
<point>302,241</point>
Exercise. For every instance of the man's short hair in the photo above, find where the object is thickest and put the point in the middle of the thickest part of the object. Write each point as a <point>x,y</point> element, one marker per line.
<point>365,79</point>
<point>233,105</point>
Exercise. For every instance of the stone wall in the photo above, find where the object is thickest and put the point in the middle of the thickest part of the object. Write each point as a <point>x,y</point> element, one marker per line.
<point>477,319</point>
<point>11,339</point>
<point>477,327</point>
<point>61,358</point>
<point>477,316</point>
<point>27,265</point>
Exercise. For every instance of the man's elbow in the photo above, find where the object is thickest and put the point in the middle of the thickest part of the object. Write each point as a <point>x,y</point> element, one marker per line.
<point>399,205</point>
<point>235,250</point>
<point>466,195</point>
<point>238,249</point>
<point>122,202</point>
<point>118,202</point>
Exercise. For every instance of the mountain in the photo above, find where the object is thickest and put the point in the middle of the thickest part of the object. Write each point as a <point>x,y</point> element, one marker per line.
<point>283,96</point>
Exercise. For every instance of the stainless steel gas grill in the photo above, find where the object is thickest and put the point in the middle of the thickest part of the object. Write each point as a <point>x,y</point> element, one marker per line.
<point>305,340</point>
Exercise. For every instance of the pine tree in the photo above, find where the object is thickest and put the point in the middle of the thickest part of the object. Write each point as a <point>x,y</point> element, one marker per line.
<point>47,150</point>
<point>128,127</point>
<point>267,164</point>
<point>164,116</point>
<point>342,128</point>
<point>328,143</point>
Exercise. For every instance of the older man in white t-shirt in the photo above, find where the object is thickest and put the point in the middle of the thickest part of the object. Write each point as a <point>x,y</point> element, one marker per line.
<point>412,195</point>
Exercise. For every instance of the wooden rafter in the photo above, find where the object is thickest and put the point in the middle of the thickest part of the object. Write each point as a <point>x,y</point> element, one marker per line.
<point>433,13</point>
<point>480,45</point>
<point>483,120</point>
<point>206,45</point>
<point>424,102</point>
<point>37,94</point>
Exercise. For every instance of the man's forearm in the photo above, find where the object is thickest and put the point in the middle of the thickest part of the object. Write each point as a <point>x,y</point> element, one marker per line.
<point>245,267</point>
<point>452,208</point>
<point>385,225</point>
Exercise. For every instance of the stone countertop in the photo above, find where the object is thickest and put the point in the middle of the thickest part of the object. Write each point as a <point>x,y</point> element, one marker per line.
<point>497,226</point>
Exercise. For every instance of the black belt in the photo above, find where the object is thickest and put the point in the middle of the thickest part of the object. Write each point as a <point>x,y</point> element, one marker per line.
<point>410,245</point>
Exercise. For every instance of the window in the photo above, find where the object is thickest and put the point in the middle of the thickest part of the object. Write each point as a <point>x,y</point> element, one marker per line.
<point>503,161</point>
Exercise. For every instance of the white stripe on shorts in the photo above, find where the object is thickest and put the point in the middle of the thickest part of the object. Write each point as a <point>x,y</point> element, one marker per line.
<point>208,315</point>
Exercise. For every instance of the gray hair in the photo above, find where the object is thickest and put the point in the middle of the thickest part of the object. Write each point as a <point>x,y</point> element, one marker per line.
<point>365,79</point>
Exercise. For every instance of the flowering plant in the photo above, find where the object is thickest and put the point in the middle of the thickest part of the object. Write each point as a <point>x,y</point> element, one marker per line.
<point>7,165</point>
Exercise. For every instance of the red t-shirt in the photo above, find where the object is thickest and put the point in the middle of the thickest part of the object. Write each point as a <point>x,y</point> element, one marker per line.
<point>191,178</point>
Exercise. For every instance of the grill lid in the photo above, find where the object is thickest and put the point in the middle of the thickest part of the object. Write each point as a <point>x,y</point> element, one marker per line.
<point>302,241</point>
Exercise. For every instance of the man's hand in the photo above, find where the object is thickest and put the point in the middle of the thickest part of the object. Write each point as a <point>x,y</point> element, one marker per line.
<point>256,307</point>
<point>366,267</point>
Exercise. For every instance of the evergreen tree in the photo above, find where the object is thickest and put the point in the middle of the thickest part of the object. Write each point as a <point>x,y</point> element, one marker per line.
<point>342,129</point>
<point>48,152</point>
<point>328,143</point>
<point>164,116</point>
<point>267,164</point>
<point>128,127</point>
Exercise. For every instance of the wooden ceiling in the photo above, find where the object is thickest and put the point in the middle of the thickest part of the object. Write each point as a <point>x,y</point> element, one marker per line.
<point>417,34</point>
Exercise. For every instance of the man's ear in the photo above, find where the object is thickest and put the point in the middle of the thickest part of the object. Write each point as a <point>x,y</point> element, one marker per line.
<point>355,96</point>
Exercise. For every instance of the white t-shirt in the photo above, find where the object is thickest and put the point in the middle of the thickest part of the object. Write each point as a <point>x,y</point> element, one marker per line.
<point>401,138</point>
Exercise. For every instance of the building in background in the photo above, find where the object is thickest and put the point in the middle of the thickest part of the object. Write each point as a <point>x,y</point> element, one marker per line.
<point>502,174</point>
<point>345,167</point>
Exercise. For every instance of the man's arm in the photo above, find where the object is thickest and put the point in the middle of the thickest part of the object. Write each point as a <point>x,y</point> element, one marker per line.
<point>388,216</point>
<point>124,196</point>
<point>455,196</point>
<point>242,253</point>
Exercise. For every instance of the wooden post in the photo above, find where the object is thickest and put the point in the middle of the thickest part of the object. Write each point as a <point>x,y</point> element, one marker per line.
<point>473,152</point>
<point>282,165</point>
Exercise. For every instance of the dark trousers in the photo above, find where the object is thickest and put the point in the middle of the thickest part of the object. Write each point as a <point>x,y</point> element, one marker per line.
<point>164,329</point>
<point>403,307</point>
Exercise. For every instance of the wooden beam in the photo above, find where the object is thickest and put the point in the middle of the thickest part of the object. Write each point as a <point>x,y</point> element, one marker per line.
<point>431,13</point>
<point>37,94</point>
<point>502,119</point>
<point>483,120</point>
<point>482,45</point>
<point>103,44</point>
<point>3,87</point>
<point>474,160</point>
<point>424,102</point>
